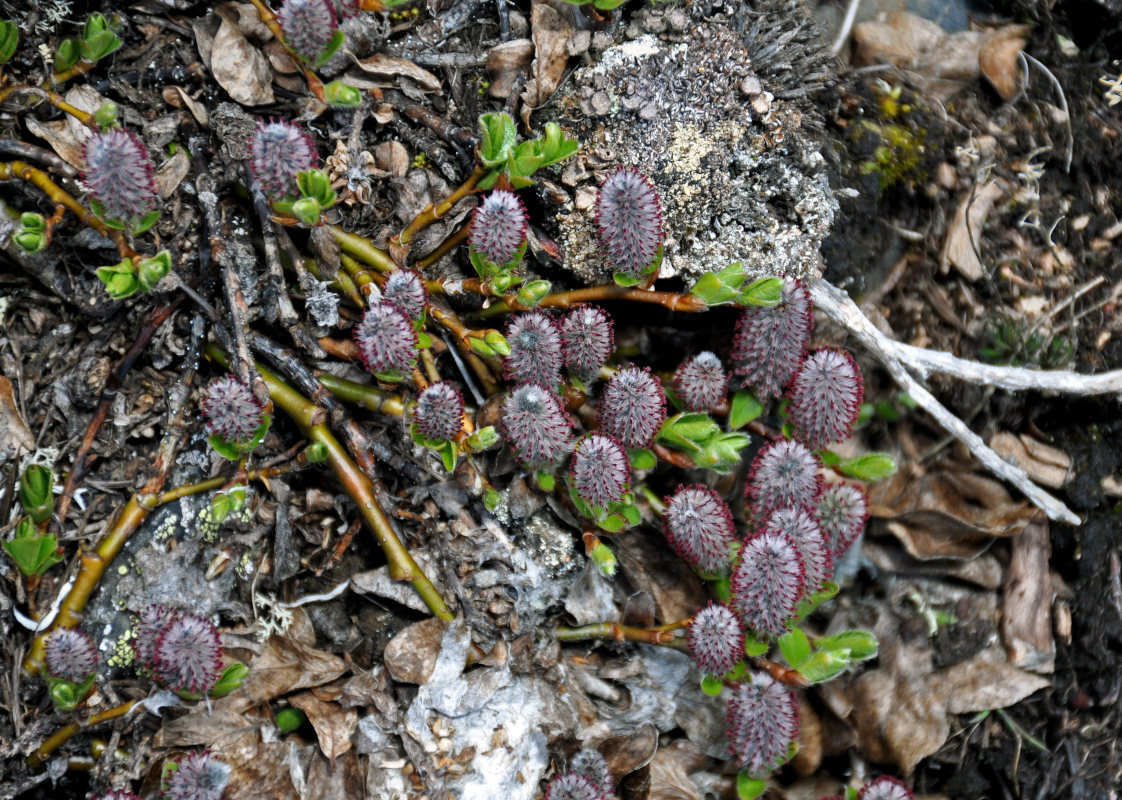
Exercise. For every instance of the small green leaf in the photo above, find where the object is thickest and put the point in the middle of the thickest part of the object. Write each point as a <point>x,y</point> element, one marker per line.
<point>743,409</point>
<point>762,292</point>
<point>95,24</point>
<point>449,455</point>
<point>545,480</point>
<point>30,221</point>
<point>807,605</point>
<point>491,499</point>
<point>497,342</point>
<point>688,430</point>
<point>823,666</point>
<point>307,210</point>
<point>795,647</point>
<point>631,513</point>
<point>830,458</point>
<point>868,467</point>
<point>9,40</point>
<point>721,452</point>
<point>642,458</point>
<point>152,270</point>
<point>30,241</point>
<point>859,645</point>
<point>496,139</point>
<point>424,341</point>
<point>604,559</point>
<point>626,279</point>
<point>483,439</point>
<point>555,147</point>
<point>316,453</point>
<point>106,115</point>
<point>749,788</point>
<point>754,647</point>
<point>342,95</point>
<point>146,222</point>
<point>36,492</point>
<point>481,347</point>
<point>223,447</point>
<point>67,55</point>
<point>33,553</point>
<point>533,293</point>
<point>711,685</point>
<point>333,46</point>
<point>66,695</point>
<point>390,376</point>
<point>230,679</point>
<point>290,719</point>
<point>120,280</point>
<point>612,523</point>
<point>98,46</point>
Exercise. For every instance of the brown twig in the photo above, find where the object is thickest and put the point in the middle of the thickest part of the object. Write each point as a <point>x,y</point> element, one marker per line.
<point>434,211</point>
<point>619,633</point>
<point>672,301</point>
<point>63,735</point>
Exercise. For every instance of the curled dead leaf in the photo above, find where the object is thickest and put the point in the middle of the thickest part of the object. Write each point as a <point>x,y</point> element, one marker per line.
<point>240,68</point>
<point>389,68</point>
<point>999,56</point>
<point>333,724</point>
<point>505,62</point>
<point>551,33</point>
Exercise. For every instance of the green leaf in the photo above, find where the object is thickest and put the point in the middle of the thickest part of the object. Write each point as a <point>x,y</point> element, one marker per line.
<point>859,645</point>
<point>30,241</point>
<point>390,376</point>
<point>106,115</point>
<point>688,430</point>
<point>30,221</point>
<point>604,559</point>
<point>224,447</point>
<point>230,679</point>
<point>795,647</point>
<point>98,46</point>
<point>642,458</point>
<point>743,409</point>
<point>608,5</point>
<point>481,347</point>
<point>631,513</point>
<point>753,646</point>
<point>307,210</point>
<point>67,55</point>
<point>66,695</point>
<point>483,439</point>
<point>555,147</point>
<point>333,46</point>
<point>762,292</point>
<point>868,467</point>
<point>152,270</point>
<point>533,293</point>
<point>830,458</point>
<point>316,453</point>
<point>289,720</point>
<point>823,666</point>
<point>523,161</point>
<point>489,180</point>
<point>749,788</point>
<point>36,492</point>
<point>146,222</point>
<point>449,454</point>
<point>497,342</point>
<point>342,95</point>
<point>721,452</point>
<point>612,523</point>
<point>716,288</point>
<point>33,554</point>
<point>626,279</point>
<point>424,341</point>
<point>496,139</point>
<point>807,605</point>
<point>711,685</point>
<point>722,587</point>
<point>491,499</point>
<point>120,280</point>
<point>9,40</point>
<point>95,24</point>
<point>545,480</point>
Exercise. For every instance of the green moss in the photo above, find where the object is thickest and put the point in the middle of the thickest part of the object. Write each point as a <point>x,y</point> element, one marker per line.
<point>896,155</point>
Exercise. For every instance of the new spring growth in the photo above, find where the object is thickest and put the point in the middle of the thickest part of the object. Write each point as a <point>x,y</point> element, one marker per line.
<point>587,338</point>
<point>769,341</point>
<point>497,238</point>
<point>599,471</point>
<point>784,474</point>
<point>70,669</point>
<point>278,152</point>
<point>700,382</point>
<point>633,407</point>
<point>825,396</point>
<point>310,29</point>
<point>405,290</point>
<point>387,341</point>
<point>439,414</point>
<point>699,526</point>
<point>117,173</point>
<point>535,426</point>
<point>842,511</point>
<point>801,527</point>
<point>33,549</point>
<point>768,579</point>
<point>535,350</point>
<point>630,220</point>
<point>234,419</point>
<point>194,776</point>
<point>182,650</point>
<point>763,721</point>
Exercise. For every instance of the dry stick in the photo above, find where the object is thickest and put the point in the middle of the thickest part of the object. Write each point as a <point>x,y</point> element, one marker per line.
<point>270,21</point>
<point>51,97</point>
<point>22,171</point>
<point>843,311</point>
<point>619,633</point>
<point>235,300</point>
<point>93,563</point>
<point>61,736</point>
<point>672,301</point>
<point>108,395</point>
<point>359,487</point>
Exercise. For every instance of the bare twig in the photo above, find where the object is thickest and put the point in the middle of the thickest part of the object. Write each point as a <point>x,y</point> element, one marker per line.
<point>837,305</point>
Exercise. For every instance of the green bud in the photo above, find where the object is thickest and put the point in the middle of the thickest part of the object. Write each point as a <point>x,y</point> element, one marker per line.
<point>66,695</point>
<point>30,241</point>
<point>36,492</point>
<point>340,95</point>
<point>290,719</point>
<point>482,439</point>
<point>491,499</point>
<point>152,270</point>
<point>316,453</point>
<point>120,280</point>
<point>106,115</point>
<point>95,25</point>
<point>32,222</point>
<point>307,210</point>
<point>533,292</point>
<point>67,55</point>
<point>231,678</point>
<point>603,557</point>
<point>497,342</point>
<point>316,184</point>
<point>481,347</point>
<point>503,282</point>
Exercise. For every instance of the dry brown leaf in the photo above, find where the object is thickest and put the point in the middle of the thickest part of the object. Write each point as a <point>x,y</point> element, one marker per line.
<point>629,752</point>
<point>171,173</point>
<point>333,724</point>
<point>898,38</point>
<point>197,109</point>
<point>14,435</point>
<point>264,769</point>
<point>68,136</point>
<point>286,665</point>
<point>505,62</point>
<point>963,242</point>
<point>809,756</point>
<point>411,655</point>
<point>240,68</point>
<point>675,589</point>
<point>670,778</point>
<point>1026,618</point>
<point>1046,465</point>
<point>392,157</point>
<point>898,721</point>
<point>551,33</point>
<point>985,681</point>
<point>389,68</point>
<point>340,781</point>
<point>999,56</point>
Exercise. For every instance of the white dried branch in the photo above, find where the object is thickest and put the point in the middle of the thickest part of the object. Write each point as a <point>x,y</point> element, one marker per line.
<point>895,356</point>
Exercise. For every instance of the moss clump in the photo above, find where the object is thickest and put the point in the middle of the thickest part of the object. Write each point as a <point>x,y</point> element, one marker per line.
<point>897,154</point>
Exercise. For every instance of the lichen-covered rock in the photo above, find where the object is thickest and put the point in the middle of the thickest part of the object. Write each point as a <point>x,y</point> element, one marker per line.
<point>738,170</point>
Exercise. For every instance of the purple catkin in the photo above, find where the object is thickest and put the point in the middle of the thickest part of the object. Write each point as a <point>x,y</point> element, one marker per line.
<point>763,721</point>
<point>573,786</point>
<point>801,525</point>
<point>230,409</point>
<point>440,412</point>
<point>767,583</point>
<point>633,407</point>
<point>535,350</point>
<point>716,638</point>
<point>188,654</point>
<point>825,397</point>
<point>700,382</point>
<point>118,174</point>
<point>885,788</point>
<point>498,227</point>
<point>404,289</point>
<point>278,152</point>
<point>535,426</point>
<point>769,342</point>
<point>589,763</point>
<point>152,621</point>
<point>197,776</point>
<point>600,469</point>
<point>784,474</point>
<point>308,26</point>
<point>386,339</point>
<point>842,511</point>
<point>587,337</point>
<point>630,221</point>
<point>70,655</point>
<point>699,525</point>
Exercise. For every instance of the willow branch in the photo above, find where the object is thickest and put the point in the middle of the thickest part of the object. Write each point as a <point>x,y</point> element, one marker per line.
<point>53,98</point>
<point>672,301</point>
<point>434,211</point>
<point>63,735</point>
<point>619,633</point>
